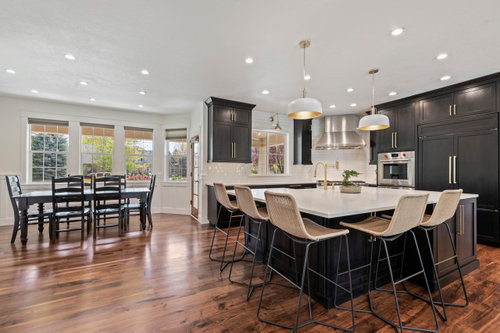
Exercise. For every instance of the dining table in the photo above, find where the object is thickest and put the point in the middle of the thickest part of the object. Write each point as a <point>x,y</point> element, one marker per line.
<point>40,198</point>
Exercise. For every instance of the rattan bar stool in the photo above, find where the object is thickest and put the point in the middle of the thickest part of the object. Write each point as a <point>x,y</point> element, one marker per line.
<point>258,216</point>
<point>445,209</point>
<point>285,216</point>
<point>408,215</point>
<point>232,207</point>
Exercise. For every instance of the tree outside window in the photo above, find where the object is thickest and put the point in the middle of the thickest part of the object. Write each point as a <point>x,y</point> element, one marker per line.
<point>48,150</point>
<point>268,153</point>
<point>138,153</point>
<point>177,159</point>
<point>97,145</point>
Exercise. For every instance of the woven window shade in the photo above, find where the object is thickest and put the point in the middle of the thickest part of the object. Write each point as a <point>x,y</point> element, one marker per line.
<point>179,133</point>
<point>138,133</point>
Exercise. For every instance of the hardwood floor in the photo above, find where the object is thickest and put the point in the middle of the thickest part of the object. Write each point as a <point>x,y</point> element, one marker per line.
<point>162,280</point>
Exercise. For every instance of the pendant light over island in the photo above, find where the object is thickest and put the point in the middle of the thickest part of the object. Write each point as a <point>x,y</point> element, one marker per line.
<point>304,107</point>
<point>373,121</point>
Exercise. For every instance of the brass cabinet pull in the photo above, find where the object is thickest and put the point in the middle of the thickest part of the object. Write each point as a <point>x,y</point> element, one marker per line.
<point>235,150</point>
<point>392,139</point>
<point>395,139</point>
<point>449,169</point>
<point>454,169</point>
<point>454,109</point>
<point>461,225</point>
<point>232,149</point>
<point>450,110</point>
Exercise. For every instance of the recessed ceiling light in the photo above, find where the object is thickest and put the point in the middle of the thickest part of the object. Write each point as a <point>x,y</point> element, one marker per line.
<point>249,60</point>
<point>397,31</point>
<point>92,99</point>
<point>142,92</point>
<point>144,72</point>
<point>84,83</point>
<point>307,77</point>
<point>69,56</point>
<point>393,93</point>
<point>353,105</point>
<point>140,105</point>
<point>10,71</point>
<point>34,91</point>
<point>332,106</point>
<point>350,89</point>
<point>441,56</point>
<point>265,92</point>
<point>445,78</point>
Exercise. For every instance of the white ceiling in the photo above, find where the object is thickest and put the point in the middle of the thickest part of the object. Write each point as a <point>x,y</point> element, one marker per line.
<point>195,49</point>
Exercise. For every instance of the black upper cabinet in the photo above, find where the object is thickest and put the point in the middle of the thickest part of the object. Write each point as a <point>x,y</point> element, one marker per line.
<point>302,141</point>
<point>472,100</point>
<point>401,133</point>
<point>229,130</point>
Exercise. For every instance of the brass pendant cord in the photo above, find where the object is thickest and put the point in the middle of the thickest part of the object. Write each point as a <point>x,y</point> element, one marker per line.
<point>373,93</point>
<point>304,76</point>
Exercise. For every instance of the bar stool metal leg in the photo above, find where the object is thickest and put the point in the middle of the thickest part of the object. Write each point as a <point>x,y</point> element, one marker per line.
<point>258,239</point>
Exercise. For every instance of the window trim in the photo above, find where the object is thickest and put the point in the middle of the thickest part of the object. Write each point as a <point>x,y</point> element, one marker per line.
<point>44,122</point>
<point>105,126</point>
<point>286,171</point>
<point>125,155</point>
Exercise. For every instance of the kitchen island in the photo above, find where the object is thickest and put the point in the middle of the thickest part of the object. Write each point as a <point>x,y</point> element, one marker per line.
<point>329,207</point>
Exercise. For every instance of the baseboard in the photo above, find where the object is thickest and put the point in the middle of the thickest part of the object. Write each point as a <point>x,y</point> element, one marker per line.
<point>6,221</point>
<point>173,210</point>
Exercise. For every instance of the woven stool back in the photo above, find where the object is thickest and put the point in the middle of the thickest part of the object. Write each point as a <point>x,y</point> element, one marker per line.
<point>408,214</point>
<point>284,214</point>
<point>445,208</point>
<point>246,202</point>
<point>222,197</point>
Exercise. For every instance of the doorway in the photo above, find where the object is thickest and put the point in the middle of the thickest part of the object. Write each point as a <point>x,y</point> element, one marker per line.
<point>195,173</point>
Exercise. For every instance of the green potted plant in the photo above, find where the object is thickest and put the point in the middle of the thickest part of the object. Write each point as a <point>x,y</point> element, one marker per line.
<point>347,185</point>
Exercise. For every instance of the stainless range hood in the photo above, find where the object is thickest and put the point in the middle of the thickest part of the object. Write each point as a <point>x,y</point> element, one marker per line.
<point>339,132</point>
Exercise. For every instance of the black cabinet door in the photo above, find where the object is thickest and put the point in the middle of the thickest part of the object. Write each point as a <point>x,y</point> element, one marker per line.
<point>405,131</point>
<point>222,142</point>
<point>242,116</point>
<point>435,163</point>
<point>242,143</point>
<point>477,166</point>
<point>385,138</point>
<point>479,99</point>
<point>223,113</point>
<point>465,238</point>
<point>436,108</point>
<point>302,141</point>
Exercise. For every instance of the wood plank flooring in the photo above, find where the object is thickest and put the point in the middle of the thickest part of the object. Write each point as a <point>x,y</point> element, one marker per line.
<point>162,280</point>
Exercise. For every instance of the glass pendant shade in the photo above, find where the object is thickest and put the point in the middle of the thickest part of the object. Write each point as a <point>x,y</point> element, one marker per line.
<point>373,122</point>
<point>304,108</point>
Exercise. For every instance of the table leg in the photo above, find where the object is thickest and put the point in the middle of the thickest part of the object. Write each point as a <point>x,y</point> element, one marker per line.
<point>143,214</point>
<point>24,226</point>
<point>40,217</point>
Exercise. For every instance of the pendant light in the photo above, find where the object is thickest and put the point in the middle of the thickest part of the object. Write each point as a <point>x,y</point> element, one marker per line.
<point>305,107</point>
<point>373,121</point>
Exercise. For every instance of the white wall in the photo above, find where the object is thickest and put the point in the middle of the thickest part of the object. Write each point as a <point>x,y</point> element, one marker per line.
<point>170,197</point>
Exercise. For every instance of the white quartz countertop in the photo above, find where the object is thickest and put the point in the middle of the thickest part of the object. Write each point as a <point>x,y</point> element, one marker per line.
<point>263,182</point>
<point>333,203</point>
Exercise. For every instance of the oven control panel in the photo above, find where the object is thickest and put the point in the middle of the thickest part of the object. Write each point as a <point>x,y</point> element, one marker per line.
<point>404,155</point>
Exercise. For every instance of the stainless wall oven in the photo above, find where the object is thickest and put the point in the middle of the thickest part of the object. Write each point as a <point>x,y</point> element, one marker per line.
<point>396,169</point>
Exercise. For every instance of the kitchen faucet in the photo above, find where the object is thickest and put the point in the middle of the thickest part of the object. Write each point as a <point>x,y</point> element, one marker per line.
<point>325,167</point>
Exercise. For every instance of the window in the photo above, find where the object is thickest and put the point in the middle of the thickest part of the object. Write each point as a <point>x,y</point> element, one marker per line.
<point>48,149</point>
<point>176,154</point>
<point>268,153</point>
<point>138,153</point>
<point>97,148</point>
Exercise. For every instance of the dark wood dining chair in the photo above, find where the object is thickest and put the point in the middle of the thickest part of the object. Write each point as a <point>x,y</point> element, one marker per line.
<point>108,202</point>
<point>69,206</point>
<point>38,217</point>
<point>134,209</point>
